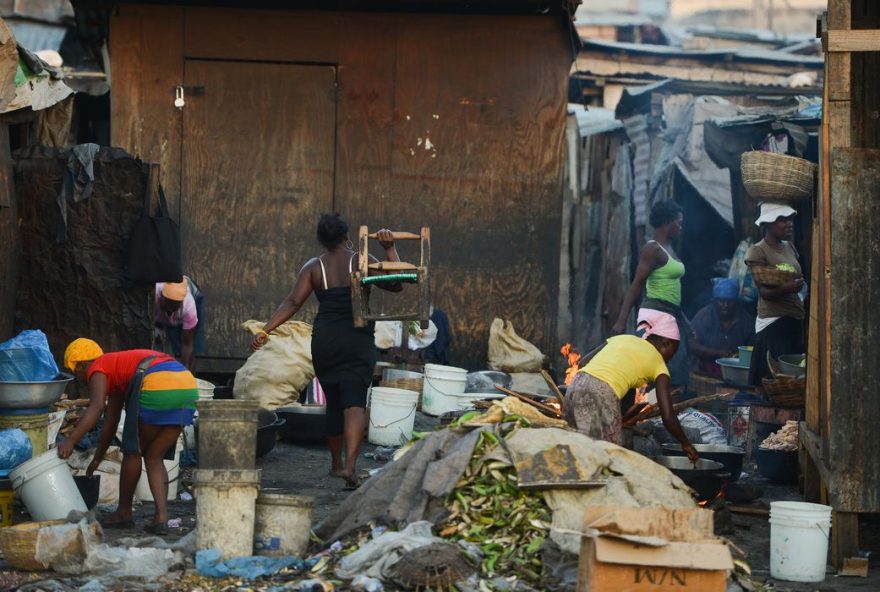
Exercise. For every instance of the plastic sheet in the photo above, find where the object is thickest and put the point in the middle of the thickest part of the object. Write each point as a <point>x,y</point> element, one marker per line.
<point>15,448</point>
<point>208,564</point>
<point>27,358</point>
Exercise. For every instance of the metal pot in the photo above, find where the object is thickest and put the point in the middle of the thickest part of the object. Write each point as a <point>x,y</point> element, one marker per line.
<point>33,395</point>
<point>729,456</point>
<point>707,478</point>
<point>304,424</point>
<point>484,381</point>
<point>268,423</point>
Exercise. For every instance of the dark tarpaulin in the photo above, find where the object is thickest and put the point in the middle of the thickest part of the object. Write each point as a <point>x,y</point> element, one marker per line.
<point>76,288</point>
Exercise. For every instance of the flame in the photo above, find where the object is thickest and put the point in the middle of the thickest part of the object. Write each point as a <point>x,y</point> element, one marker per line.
<point>573,358</point>
<point>719,495</point>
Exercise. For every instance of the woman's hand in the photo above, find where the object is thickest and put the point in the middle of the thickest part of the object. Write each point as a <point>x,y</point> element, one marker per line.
<point>385,238</point>
<point>691,452</point>
<point>259,341</point>
<point>93,466</point>
<point>65,449</point>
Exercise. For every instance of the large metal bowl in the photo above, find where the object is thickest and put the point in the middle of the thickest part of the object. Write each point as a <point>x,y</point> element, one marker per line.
<point>791,364</point>
<point>733,371</point>
<point>706,478</point>
<point>33,395</point>
<point>729,456</point>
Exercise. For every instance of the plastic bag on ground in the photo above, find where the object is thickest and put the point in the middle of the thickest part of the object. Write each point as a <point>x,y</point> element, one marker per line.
<point>509,352</point>
<point>277,373</point>
<point>376,557</point>
<point>27,358</point>
<point>208,563</point>
<point>64,547</point>
<point>710,429</point>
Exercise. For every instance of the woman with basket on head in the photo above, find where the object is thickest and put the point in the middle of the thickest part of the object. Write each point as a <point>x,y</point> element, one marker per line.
<point>777,273</point>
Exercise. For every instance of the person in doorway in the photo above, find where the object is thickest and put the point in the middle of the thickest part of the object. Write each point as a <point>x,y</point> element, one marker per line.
<point>178,317</point>
<point>720,328</point>
<point>158,394</point>
<point>659,274</point>
<point>622,363</point>
<point>343,355</point>
<point>779,326</point>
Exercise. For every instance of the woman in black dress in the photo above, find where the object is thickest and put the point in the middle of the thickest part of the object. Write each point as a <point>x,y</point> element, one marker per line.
<point>343,355</point>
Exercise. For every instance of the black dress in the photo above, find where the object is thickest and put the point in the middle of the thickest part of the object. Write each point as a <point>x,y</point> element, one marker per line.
<point>343,355</point>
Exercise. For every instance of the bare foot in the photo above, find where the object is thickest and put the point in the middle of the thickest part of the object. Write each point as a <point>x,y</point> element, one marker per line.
<point>351,480</point>
<point>340,473</point>
<point>116,520</point>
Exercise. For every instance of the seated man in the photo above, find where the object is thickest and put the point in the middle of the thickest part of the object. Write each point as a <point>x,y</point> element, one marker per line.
<point>720,328</point>
<point>178,314</point>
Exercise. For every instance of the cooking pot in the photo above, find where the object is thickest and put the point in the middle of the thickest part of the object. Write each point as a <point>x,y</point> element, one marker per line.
<point>729,456</point>
<point>304,424</point>
<point>268,423</point>
<point>707,478</point>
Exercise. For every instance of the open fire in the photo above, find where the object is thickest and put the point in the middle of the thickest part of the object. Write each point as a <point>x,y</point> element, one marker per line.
<point>573,358</point>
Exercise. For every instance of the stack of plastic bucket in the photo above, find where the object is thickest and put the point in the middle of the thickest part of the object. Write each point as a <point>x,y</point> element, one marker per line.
<point>227,481</point>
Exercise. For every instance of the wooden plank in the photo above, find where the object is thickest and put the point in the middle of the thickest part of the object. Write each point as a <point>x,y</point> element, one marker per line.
<point>814,388</point>
<point>469,147</point>
<point>849,41</point>
<point>146,49</point>
<point>844,537</point>
<point>838,71</point>
<point>260,199</point>
<point>811,443</point>
<point>855,357</point>
<point>840,118</point>
<point>9,238</point>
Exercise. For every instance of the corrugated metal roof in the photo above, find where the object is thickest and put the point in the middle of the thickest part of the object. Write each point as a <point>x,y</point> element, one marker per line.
<point>37,36</point>
<point>737,54</point>
<point>594,120</point>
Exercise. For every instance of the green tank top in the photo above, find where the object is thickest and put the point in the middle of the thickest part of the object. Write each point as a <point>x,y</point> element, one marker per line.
<point>664,283</point>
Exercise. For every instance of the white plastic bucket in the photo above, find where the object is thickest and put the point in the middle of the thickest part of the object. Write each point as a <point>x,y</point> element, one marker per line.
<point>442,384</point>
<point>142,490</point>
<point>206,389</point>
<point>799,541</point>
<point>283,523</point>
<point>46,486</point>
<point>225,510</point>
<point>392,415</point>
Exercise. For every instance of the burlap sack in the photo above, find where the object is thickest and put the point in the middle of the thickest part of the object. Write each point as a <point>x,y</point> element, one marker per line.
<point>277,373</point>
<point>509,352</point>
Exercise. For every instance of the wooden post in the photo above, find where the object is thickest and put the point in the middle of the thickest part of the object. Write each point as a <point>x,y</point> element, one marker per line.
<point>844,537</point>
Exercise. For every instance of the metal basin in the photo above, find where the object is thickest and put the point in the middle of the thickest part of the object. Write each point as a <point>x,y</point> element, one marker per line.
<point>729,456</point>
<point>484,381</point>
<point>706,478</point>
<point>733,371</point>
<point>33,395</point>
<point>791,365</point>
<point>304,424</point>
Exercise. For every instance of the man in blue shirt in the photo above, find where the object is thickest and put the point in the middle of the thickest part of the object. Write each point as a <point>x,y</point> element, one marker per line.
<point>720,328</point>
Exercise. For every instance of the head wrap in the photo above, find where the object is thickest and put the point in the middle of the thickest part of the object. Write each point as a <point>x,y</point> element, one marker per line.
<point>655,322</point>
<point>81,350</point>
<point>175,291</point>
<point>771,212</point>
<point>725,289</point>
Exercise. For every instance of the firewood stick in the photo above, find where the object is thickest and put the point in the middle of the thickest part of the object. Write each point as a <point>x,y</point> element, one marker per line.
<point>553,386</point>
<point>528,400</point>
<point>683,405</point>
<point>748,510</point>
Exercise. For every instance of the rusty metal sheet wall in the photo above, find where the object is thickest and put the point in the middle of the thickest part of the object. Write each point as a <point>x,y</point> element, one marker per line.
<point>855,356</point>
<point>76,288</point>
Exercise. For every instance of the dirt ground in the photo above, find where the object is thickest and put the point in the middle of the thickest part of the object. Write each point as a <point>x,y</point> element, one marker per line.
<point>303,470</point>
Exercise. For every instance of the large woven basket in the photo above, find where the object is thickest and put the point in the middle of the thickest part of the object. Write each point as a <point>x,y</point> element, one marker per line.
<point>785,391</point>
<point>19,544</point>
<point>770,276</point>
<point>768,176</point>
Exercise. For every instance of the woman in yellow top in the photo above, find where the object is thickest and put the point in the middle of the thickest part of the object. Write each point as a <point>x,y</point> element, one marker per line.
<point>659,274</point>
<point>624,362</point>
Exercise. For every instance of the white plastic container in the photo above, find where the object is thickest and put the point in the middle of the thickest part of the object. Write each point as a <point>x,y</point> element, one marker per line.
<point>799,535</point>
<point>206,389</point>
<point>46,486</point>
<point>442,384</point>
<point>283,523</point>
<point>142,491</point>
<point>225,510</point>
<point>392,415</point>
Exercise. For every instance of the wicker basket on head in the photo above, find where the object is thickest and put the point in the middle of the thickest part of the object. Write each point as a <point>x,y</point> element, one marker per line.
<point>770,276</point>
<point>768,176</point>
<point>19,543</point>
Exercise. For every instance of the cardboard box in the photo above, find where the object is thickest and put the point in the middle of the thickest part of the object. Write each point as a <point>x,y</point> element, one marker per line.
<point>651,550</point>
